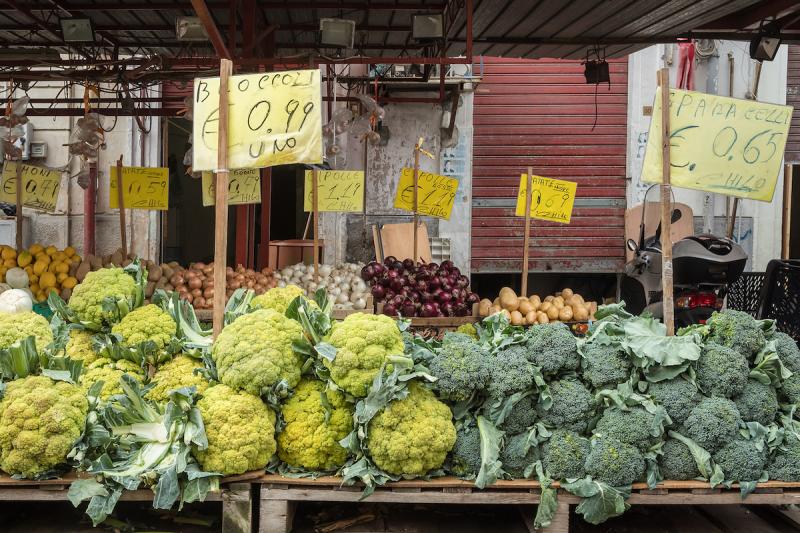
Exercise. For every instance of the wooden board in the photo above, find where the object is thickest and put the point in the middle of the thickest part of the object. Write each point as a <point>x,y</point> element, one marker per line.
<point>440,321</point>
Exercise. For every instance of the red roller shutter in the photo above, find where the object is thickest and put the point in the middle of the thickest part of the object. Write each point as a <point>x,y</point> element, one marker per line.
<point>793,99</point>
<point>540,113</point>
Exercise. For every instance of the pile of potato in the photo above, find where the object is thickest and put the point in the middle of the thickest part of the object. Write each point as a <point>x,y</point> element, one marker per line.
<point>564,306</point>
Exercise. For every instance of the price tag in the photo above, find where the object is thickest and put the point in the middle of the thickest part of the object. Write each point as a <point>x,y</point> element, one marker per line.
<point>40,186</point>
<point>435,195</point>
<point>550,199</point>
<point>244,187</point>
<point>337,190</point>
<point>718,144</point>
<point>274,119</point>
<point>142,188</point>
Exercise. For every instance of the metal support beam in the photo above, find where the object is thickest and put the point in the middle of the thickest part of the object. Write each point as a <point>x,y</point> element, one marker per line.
<point>202,11</point>
<point>87,6</point>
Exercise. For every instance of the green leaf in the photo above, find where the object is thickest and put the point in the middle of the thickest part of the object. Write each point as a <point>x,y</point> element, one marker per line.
<point>491,440</point>
<point>747,487</point>
<point>599,501</point>
<point>83,489</point>
<point>326,350</point>
<point>702,458</point>
<point>548,501</point>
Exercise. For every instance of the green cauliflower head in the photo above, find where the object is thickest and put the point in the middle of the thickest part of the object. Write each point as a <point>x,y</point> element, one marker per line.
<point>308,441</point>
<point>255,352</point>
<point>18,326</point>
<point>148,323</point>
<point>240,430</point>
<point>109,372</point>
<point>277,298</point>
<point>412,436</point>
<point>87,297</point>
<point>177,374</point>
<point>40,421</point>
<point>363,343</point>
<point>79,347</point>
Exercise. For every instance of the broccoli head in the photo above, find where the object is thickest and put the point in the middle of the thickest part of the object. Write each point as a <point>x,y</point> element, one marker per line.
<point>518,455</point>
<point>462,367</point>
<point>572,407</point>
<point>722,371</point>
<point>79,347</point>
<point>412,436</point>
<point>631,426</point>
<point>785,464</point>
<point>465,459</point>
<point>787,350</point>
<point>790,389</point>
<point>564,455</point>
<point>757,403</point>
<point>614,462</point>
<point>277,298</point>
<point>177,374</point>
<point>87,297</point>
<point>15,327</point>
<point>736,330</point>
<point>605,366</point>
<point>741,460</point>
<point>553,348</point>
<point>511,372</point>
<point>677,462</point>
<point>148,323</point>
<point>522,416</point>
<point>713,423</point>
<point>109,372</point>
<point>678,397</point>
<point>468,329</point>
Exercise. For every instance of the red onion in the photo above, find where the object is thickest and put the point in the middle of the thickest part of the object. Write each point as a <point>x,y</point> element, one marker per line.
<point>408,264</point>
<point>473,298</point>
<point>378,292</point>
<point>409,309</point>
<point>397,284</point>
<point>444,297</point>
<point>462,282</point>
<point>390,310</point>
<point>390,260</point>
<point>368,272</point>
<point>428,310</point>
<point>447,265</point>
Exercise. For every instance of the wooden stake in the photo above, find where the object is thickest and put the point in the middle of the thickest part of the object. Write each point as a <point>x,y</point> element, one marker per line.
<point>666,207</point>
<point>121,205</point>
<point>221,200</point>
<point>416,200</point>
<point>787,212</point>
<point>527,240</point>
<point>19,206</point>
<point>315,208</point>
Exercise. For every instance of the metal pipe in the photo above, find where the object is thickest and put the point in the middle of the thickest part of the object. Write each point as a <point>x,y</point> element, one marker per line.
<point>89,199</point>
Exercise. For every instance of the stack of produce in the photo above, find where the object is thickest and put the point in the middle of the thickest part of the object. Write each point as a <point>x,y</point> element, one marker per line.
<point>564,306</point>
<point>39,269</point>
<point>413,289</point>
<point>343,283</point>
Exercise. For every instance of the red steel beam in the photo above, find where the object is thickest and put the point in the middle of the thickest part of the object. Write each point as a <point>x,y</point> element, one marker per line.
<point>292,5</point>
<point>202,11</point>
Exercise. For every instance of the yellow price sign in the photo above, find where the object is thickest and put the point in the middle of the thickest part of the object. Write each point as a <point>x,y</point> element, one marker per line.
<point>337,191</point>
<point>142,188</point>
<point>40,186</point>
<point>274,119</point>
<point>719,144</point>
<point>435,194</point>
<point>244,187</point>
<point>550,199</point>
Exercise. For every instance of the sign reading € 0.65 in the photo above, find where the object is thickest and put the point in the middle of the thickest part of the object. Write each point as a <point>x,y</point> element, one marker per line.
<point>274,119</point>
<point>435,194</point>
<point>718,144</point>
<point>40,186</point>
<point>337,191</point>
<point>550,199</point>
<point>142,188</point>
<point>244,187</point>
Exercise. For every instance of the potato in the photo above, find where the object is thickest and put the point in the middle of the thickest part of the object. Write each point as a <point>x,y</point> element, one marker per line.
<point>545,307</point>
<point>496,301</point>
<point>542,318</point>
<point>530,318</point>
<point>535,301</point>
<point>566,293</point>
<point>495,309</point>
<point>525,307</point>
<point>117,258</point>
<point>84,268</point>
<point>565,315</point>
<point>580,313</point>
<point>577,298</point>
<point>516,318</point>
<point>149,289</point>
<point>506,313</point>
<point>592,307</point>
<point>553,312</point>
<point>484,306</point>
<point>509,300</point>
<point>505,290</point>
<point>558,301</point>
<point>549,298</point>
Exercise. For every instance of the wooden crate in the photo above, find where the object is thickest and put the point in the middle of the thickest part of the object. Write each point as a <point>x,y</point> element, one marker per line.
<point>207,315</point>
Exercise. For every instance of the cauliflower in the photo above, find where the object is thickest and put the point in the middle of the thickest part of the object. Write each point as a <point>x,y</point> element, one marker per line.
<point>240,430</point>
<point>468,329</point>
<point>412,436</point>
<point>462,367</point>
<point>18,326</point>
<point>363,343</point>
<point>79,347</point>
<point>148,323</point>
<point>176,374</point>
<point>87,297</point>
<point>255,352</point>
<point>310,439</point>
<point>40,421</point>
<point>109,372</point>
<point>278,298</point>
<point>614,462</point>
<point>722,371</point>
<point>564,455</point>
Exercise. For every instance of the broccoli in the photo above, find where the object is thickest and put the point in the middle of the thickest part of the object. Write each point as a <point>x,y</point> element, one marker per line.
<point>678,397</point>
<point>713,423</point>
<point>468,329</point>
<point>614,462</point>
<point>677,462</point>
<point>736,330</point>
<point>757,403</point>
<point>722,371</point>
<point>741,460</point>
<point>462,367</point>
<point>785,464</point>
<point>553,348</point>
<point>564,455</point>
<point>465,458</point>
<point>631,426</point>
<point>572,406</point>
<point>521,417</point>
<point>511,372</point>
<point>605,365</point>
<point>787,350</point>
<point>518,455</point>
<point>790,389</point>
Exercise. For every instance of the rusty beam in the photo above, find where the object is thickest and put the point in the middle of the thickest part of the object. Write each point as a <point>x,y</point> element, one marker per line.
<point>183,4</point>
<point>202,11</point>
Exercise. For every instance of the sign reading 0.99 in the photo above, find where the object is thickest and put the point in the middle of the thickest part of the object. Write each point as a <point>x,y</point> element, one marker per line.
<point>274,119</point>
<point>40,186</point>
<point>142,188</point>
<point>718,144</point>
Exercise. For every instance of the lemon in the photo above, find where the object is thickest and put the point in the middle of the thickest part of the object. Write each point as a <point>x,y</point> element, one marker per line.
<point>33,278</point>
<point>34,288</point>
<point>70,251</point>
<point>61,268</point>
<point>69,282</point>
<point>8,253</point>
<point>10,263</point>
<point>36,248</point>
<point>50,250</point>
<point>39,267</point>
<point>47,280</point>
<point>24,258</point>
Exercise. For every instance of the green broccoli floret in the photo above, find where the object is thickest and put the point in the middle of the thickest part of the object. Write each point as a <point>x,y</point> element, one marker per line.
<point>518,455</point>
<point>462,367</point>
<point>790,389</point>
<point>465,458</point>
<point>522,416</point>
<point>631,426</point>
<point>572,407</point>
<point>553,348</point>
<point>605,366</point>
<point>614,462</point>
<point>677,462</point>
<point>785,464</point>
<point>722,371</point>
<point>736,330</point>
<point>511,372</point>
<point>678,397</point>
<point>741,460</point>
<point>713,423</point>
<point>787,350</point>
<point>564,455</point>
<point>757,403</point>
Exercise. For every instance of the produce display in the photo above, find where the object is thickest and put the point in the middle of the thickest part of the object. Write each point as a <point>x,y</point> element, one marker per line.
<point>343,283</point>
<point>410,289</point>
<point>299,393</point>
<point>564,306</point>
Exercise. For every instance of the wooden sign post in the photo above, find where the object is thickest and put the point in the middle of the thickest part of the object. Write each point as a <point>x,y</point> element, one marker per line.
<point>315,209</point>
<point>221,200</point>
<point>18,210</point>
<point>415,200</point>
<point>666,207</point>
<point>527,239</point>
<point>121,207</point>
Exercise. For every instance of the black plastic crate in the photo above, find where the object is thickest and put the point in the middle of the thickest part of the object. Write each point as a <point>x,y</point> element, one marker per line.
<point>780,296</point>
<point>745,293</point>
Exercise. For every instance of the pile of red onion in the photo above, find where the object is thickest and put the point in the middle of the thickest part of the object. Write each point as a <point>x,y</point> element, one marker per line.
<point>413,289</point>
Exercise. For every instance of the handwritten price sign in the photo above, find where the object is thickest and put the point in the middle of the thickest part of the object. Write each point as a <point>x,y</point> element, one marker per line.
<point>717,144</point>
<point>550,199</point>
<point>435,195</point>
<point>274,119</point>
<point>142,188</point>
<point>244,187</point>
<point>40,186</point>
<point>337,190</point>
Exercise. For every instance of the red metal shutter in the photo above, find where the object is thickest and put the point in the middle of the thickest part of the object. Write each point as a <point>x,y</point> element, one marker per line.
<point>540,113</point>
<point>793,99</point>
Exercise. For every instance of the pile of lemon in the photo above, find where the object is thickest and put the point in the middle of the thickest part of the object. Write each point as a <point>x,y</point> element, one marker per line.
<point>48,268</point>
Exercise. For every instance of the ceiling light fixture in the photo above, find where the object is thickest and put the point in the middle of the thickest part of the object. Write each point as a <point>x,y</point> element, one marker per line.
<point>764,46</point>
<point>77,30</point>
<point>190,29</point>
<point>427,27</point>
<point>338,33</point>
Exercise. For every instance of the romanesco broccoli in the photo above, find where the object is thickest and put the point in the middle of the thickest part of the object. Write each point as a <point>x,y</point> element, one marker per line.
<point>757,403</point>
<point>87,297</point>
<point>564,455</point>
<point>572,408</point>
<point>614,462</point>
<point>713,423</point>
<point>18,326</point>
<point>148,323</point>
<point>722,371</point>
<point>462,367</point>
<point>177,374</point>
<point>553,348</point>
<point>678,396</point>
